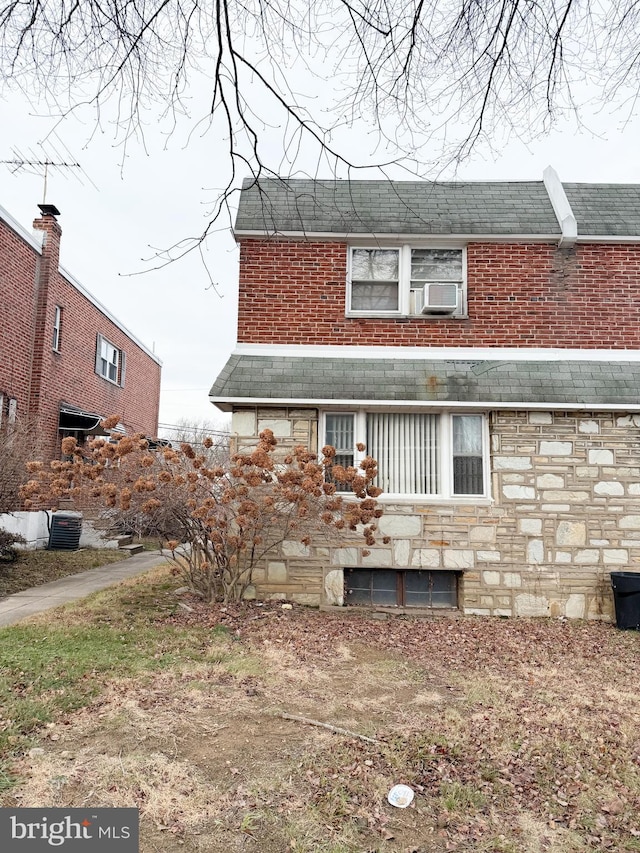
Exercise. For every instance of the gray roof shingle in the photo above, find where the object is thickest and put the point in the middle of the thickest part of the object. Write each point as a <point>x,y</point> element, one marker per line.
<point>506,208</point>
<point>605,209</point>
<point>396,207</point>
<point>592,383</point>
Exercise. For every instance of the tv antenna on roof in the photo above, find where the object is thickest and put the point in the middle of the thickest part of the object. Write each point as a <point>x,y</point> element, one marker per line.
<point>41,164</point>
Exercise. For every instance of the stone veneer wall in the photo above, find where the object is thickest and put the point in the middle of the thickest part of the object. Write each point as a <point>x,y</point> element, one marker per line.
<point>565,512</point>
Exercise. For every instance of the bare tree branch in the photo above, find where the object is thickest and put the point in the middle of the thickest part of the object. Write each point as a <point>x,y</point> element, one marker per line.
<point>429,81</point>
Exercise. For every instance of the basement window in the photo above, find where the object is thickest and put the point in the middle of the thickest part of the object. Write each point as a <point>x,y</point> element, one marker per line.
<point>397,588</point>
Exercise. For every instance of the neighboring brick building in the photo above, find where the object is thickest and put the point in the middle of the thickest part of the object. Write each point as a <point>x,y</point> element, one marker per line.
<point>483,341</point>
<point>65,361</point>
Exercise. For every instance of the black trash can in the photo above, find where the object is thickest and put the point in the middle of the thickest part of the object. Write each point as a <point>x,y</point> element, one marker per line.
<point>65,531</point>
<point>626,597</point>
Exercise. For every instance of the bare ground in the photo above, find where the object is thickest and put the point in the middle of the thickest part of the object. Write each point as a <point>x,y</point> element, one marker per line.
<point>517,736</point>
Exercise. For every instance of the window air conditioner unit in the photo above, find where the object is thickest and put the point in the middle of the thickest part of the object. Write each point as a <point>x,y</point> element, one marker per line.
<point>437,299</point>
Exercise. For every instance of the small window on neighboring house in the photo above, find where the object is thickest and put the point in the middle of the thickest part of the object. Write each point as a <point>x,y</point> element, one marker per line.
<point>440,455</point>
<point>57,329</point>
<point>12,411</point>
<point>110,361</point>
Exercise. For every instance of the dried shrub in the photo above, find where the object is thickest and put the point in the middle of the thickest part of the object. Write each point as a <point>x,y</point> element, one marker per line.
<point>8,541</point>
<point>221,519</point>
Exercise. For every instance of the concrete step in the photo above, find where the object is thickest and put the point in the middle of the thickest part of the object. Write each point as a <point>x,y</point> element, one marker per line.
<point>124,540</point>
<point>132,549</point>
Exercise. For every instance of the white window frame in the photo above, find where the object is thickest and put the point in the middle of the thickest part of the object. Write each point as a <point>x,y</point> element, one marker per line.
<point>57,329</point>
<point>445,453</point>
<point>404,281</point>
<point>106,352</point>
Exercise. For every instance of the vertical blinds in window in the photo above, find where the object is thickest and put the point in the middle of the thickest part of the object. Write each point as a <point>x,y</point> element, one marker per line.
<point>406,449</point>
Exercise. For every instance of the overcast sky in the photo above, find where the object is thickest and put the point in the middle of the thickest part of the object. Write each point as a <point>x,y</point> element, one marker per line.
<point>125,207</point>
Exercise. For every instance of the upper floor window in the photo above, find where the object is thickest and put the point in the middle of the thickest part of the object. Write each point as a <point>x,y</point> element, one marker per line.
<point>110,361</point>
<point>57,329</point>
<point>418,453</point>
<point>407,281</point>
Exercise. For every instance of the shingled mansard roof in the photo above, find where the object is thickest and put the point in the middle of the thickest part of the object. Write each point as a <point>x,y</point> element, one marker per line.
<point>291,380</point>
<point>490,208</point>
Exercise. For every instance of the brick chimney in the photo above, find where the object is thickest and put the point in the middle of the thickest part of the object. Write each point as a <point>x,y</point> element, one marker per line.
<point>46,271</point>
<point>51,242</point>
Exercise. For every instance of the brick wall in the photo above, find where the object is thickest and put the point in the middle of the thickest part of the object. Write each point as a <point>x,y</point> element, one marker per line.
<point>41,379</point>
<point>565,511</point>
<point>523,295</point>
<point>18,270</point>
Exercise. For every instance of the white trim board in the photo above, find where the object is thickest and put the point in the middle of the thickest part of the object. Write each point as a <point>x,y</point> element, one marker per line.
<point>561,206</point>
<point>431,239</point>
<point>378,237</point>
<point>436,353</point>
<point>226,404</point>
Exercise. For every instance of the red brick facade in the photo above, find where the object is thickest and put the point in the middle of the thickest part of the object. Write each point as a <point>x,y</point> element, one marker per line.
<point>518,294</point>
<point>41,379</point>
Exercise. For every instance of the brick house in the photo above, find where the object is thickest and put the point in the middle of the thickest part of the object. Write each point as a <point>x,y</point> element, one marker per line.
<point>483,341</point>
<point>65,361</point>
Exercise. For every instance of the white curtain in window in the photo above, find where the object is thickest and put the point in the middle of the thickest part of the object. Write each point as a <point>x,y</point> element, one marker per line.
<point>468,474</point>
<point>406,449</point>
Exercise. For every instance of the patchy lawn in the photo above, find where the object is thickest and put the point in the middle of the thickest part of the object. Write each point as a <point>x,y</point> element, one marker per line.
<point>518,736</point>
<point>33,568</point>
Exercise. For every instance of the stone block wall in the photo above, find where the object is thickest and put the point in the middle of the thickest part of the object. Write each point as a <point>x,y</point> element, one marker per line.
<point>291,426</point>
<point>564,512</point>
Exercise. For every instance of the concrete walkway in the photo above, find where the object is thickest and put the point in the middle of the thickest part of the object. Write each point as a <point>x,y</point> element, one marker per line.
<point>50,595</point>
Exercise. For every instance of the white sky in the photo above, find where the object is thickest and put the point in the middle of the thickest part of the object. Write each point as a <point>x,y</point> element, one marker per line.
<point>164,192</point>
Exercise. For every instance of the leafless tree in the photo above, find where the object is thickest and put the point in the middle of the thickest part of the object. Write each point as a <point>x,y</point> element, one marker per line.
<point>207,437</point>
<point>429,78</point>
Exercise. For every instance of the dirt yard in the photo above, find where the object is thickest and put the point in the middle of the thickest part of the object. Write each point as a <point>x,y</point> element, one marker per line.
<point>517,736</point>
